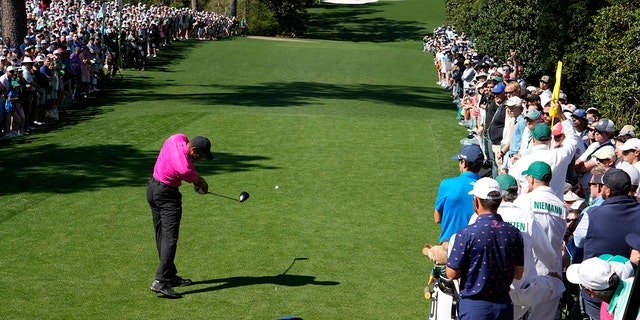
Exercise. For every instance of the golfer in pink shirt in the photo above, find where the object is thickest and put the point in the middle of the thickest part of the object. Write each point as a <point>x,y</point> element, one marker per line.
<point>174,165</point>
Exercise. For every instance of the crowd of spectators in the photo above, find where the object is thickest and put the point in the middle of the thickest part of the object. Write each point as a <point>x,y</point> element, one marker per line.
<point>72,46</point>
<point>594,164</point>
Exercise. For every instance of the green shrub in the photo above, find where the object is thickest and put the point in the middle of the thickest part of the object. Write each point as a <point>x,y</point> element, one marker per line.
<point>616,61</point>
<point>261,21</point>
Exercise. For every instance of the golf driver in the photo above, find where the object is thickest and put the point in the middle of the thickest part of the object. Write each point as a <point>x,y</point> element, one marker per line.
<point>242,198</point>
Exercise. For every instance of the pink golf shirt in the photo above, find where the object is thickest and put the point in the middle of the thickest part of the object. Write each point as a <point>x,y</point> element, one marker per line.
<point>174,164</point>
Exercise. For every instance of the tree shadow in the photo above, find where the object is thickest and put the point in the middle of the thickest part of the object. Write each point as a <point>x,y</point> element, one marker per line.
<point>65,170</point>
<point>170,55</point>
<point>61,169</point>
<point>292,94</point>
<point>288,280</point>
<point>354,23</point>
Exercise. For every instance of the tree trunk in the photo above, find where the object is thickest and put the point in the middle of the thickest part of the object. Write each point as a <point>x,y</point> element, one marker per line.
<point>194,5</point>
<point>14,21</point>
<point>233,8</point>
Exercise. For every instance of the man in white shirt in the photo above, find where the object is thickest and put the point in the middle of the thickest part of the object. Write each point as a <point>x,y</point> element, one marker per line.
<point>533,289</point>
<point>550,212</point>
<point>557,158</point>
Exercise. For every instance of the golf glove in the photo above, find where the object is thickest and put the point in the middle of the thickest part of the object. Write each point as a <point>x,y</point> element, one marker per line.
<point>198,189</point>
<point>201,186</point>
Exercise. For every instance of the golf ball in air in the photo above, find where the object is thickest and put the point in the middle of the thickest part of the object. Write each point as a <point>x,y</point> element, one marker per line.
<point>277,187</point>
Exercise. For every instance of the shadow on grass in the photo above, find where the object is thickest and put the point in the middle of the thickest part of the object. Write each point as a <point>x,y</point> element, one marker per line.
<point>282,279</point>
<point>169,55</point>
<point>54,168</point>
<point>288,280</point>
<point>292,94</point>
<point>353,23</point>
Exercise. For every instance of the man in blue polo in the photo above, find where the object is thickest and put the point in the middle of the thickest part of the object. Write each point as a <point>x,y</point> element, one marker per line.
<point>486,256</point>
<point>454,205</point>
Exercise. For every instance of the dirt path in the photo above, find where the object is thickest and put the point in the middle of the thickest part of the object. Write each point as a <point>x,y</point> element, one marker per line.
<point>279,39</point>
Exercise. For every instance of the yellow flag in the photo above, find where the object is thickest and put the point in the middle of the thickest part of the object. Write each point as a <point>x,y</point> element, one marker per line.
<point>553,112</point>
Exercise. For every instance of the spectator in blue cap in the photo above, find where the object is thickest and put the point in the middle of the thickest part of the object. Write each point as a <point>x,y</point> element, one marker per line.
<point>454,205</point>
<point>580,123</point>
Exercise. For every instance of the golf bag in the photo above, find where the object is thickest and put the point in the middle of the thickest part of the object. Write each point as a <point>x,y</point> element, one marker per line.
<point>443,295</point>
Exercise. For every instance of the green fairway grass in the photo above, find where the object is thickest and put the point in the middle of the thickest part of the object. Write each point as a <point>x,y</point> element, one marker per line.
<point>353,130</point>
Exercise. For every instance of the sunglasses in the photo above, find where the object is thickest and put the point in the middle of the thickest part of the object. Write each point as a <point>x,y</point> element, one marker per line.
<point>509,92</point>
<point>572,220</point>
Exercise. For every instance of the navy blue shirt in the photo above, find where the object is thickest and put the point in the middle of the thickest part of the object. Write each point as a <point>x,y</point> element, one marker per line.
<point>486,253</point>
<point>609,224</point>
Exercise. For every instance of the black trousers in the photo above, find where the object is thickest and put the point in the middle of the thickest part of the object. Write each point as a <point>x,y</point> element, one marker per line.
<point>166,208</point>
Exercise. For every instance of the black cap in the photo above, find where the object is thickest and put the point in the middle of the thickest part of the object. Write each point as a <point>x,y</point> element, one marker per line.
<point>203,145</point>
<point>633,240</point>
<point>617,180</point>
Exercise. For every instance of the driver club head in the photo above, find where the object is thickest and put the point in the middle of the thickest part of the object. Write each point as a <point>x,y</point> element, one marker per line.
<point>243,196</point>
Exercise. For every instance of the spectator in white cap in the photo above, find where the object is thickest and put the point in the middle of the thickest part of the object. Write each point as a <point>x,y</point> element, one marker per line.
<point>575,205</point>
<point>628,131</point>
<point>570,198</point>
<point>598,278</point>
<point>515,131</point>
<point>630,152</point>
<point>633,174</point>
<point>605,157</point>
<point>508,121</point>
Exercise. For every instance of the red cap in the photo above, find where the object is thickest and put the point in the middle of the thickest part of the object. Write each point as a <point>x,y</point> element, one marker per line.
<point>557,129</point>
